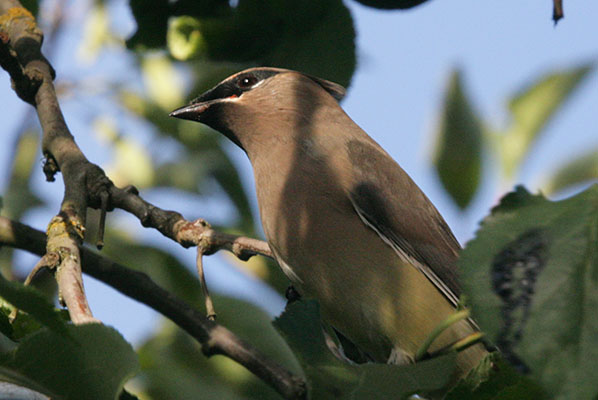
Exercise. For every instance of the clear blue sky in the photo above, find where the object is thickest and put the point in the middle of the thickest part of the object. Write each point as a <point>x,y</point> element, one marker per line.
<point>404,61</point>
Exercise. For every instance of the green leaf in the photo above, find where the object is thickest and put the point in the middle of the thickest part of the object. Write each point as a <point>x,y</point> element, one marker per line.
<point>29,300</point>
<point>391,4</point>
<point>320,42</point>
<point>458,144</point>
<point>164,268</point>
<point>532,109</point>
<point>92,362</point>
<point>582,169</point>
<point>151,23</point>
<point>328,377</point>
<point>5,326</point>
<point>531,277</point>
<point>184,38</point>
<point>495,379</point>
<point>173,366</point>
<point>312,36</point>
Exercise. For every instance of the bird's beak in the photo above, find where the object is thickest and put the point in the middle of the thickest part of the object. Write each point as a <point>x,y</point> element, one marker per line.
<point>191,112</point>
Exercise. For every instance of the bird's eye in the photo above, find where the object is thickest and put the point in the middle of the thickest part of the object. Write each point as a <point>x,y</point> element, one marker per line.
<point>247,81</point>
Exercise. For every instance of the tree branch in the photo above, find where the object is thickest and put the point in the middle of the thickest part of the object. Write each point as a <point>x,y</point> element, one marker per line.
<point>32,77</point>
<point>214,338</point>
<point>86,184</point>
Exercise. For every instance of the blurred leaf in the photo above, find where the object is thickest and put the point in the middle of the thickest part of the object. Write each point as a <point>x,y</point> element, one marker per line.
<point>173,366</point>
<point>391,4</point>
<point>532,109</point>
<point>328,377</point>
<point>27,299</point>
<point>5,326</point>
<point>458,144</point>
<point>163,83</point>
<point>531,277</point>
<point>184,38</point>
<point>186,174</point>
<point>164,268</point>
<point>498,381</point>
<point>320,42</point>
<point>580,170</point>
<point>92,362</point>
<point>152,21</point>
<point>133,163</point>
<point>149,110</point>
<point>96,34</point>
<point>245,34</point>
<point>18,197</point>
<point>312,36</point>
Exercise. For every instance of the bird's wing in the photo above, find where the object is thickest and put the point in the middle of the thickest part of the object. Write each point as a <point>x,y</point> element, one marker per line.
<point>390,203</point>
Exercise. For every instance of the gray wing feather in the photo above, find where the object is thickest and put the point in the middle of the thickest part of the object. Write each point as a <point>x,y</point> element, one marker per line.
<point>390,203</point>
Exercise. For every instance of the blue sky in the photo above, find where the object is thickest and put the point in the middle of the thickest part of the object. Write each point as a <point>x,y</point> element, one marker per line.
<point>404,59</point>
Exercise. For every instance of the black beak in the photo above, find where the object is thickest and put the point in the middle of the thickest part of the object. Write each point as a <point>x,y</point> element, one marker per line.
<point>191,112</point>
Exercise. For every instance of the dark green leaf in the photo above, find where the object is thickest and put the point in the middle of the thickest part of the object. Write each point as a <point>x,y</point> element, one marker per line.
<point>328,377</point>
<point>313,36</point>
<point>458,144</point>
<point>391,4</point>
<point>532,109</point>
<point>320,42</point>
<point>5,326</point>
<point>27,299</point>
<point>495,379</point>
<point>151,23</point>
<point>582,169</point>
<point>94,362</point>
<point>531,277</point>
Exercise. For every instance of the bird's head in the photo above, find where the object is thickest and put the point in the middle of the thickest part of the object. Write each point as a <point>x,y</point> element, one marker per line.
<point>258,99</point>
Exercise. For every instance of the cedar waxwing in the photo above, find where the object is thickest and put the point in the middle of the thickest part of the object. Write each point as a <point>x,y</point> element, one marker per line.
<point>346,224</point>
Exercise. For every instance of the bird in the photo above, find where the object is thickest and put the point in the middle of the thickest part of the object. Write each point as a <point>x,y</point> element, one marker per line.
<point>344,221</point>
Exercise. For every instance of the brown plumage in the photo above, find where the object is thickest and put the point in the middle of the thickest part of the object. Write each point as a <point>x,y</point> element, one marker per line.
<point>345,222</point>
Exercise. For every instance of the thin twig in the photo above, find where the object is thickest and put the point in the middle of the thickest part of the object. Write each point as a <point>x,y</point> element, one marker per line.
<point>104,198</point>
<point>48,261</point>
<point>557,10</point>
<point>210,311</point>
<point>187,233</point>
